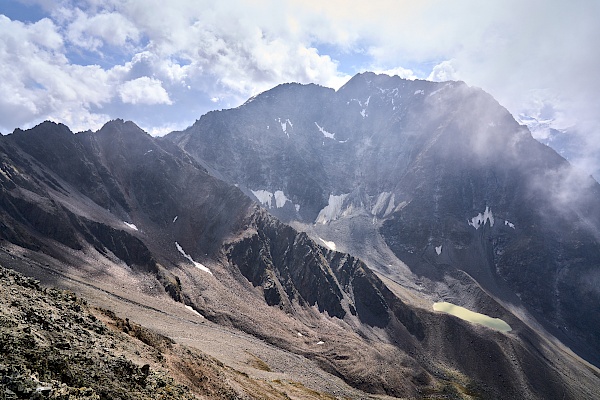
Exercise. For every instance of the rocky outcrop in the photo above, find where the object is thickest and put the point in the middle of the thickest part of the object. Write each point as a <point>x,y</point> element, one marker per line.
<point>53,347</point>
<point>72,161</point>
<point>288,266</point>
<point>293,270</point>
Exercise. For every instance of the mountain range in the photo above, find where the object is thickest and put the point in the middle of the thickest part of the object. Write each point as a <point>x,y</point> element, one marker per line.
<point>306,235</point>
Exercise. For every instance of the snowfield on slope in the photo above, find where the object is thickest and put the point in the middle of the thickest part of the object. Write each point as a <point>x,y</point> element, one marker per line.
<point>196,264</point>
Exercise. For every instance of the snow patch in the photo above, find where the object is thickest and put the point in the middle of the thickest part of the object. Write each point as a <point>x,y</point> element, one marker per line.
<point>419,92</point>
<point>330,135</point>
<point>266,198</point>
<point>509,224</point>
<point>280,199</point>
<point>333,210</point>
<point>196,264</point>
<point>250,100</point>
<point>330,245</point>
<point>434,92</point>
<point>325,133</point>
<point>175,219</point>
<point>149,151</point>
<point>363,113</point>
<point>480,219</point>
<point>391,206</point>
<point>132,226</point>
<point>384,204</point>
<point>263,196</point>
<point>297,206</point>
<point>284,125</point>
<point>194,311</point>
<point>438,250</point>
<point>367,102</point>
<point>320,342</point>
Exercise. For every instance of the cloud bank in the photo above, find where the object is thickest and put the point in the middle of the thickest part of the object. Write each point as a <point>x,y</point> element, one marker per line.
<point>164,64</point>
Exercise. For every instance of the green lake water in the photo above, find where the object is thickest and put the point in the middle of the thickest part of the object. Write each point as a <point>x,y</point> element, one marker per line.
<point>471,316</point>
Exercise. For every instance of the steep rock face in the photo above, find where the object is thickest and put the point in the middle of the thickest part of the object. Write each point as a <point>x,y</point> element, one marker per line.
<point>455,181</point>
<point>310,142</point>
<point>288,268</point>
<point>168,189</point>
<point>292,268</point>
<point>70,160</point>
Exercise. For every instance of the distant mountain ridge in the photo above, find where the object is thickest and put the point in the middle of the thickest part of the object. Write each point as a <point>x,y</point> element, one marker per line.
<point>167,227</point>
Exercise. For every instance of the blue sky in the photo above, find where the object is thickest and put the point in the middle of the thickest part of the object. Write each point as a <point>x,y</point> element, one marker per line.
<point>164,64</point>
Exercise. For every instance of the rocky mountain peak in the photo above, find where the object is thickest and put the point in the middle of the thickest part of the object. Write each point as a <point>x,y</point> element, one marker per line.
<point>49,127</point>
<point>122,131</point>
<point>120,125</point>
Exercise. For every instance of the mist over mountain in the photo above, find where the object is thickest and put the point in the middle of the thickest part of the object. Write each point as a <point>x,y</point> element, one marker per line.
<point>370,204</point>
<point>569,142</point>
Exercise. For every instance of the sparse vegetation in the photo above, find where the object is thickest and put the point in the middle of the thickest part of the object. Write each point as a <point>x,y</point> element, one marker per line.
<point>256,362</point>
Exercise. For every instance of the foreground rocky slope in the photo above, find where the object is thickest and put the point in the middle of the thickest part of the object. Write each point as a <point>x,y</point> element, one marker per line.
<point>54,346</point>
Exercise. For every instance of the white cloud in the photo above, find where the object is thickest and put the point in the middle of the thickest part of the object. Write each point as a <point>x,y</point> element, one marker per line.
<point>399,71</point>
<point>161,130</point>
<point>37,79</point>
<point>80,119</point>
<point>44,34</point>
<point>442,72</point>
<point>93,32</point>
<point>144,90</point>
